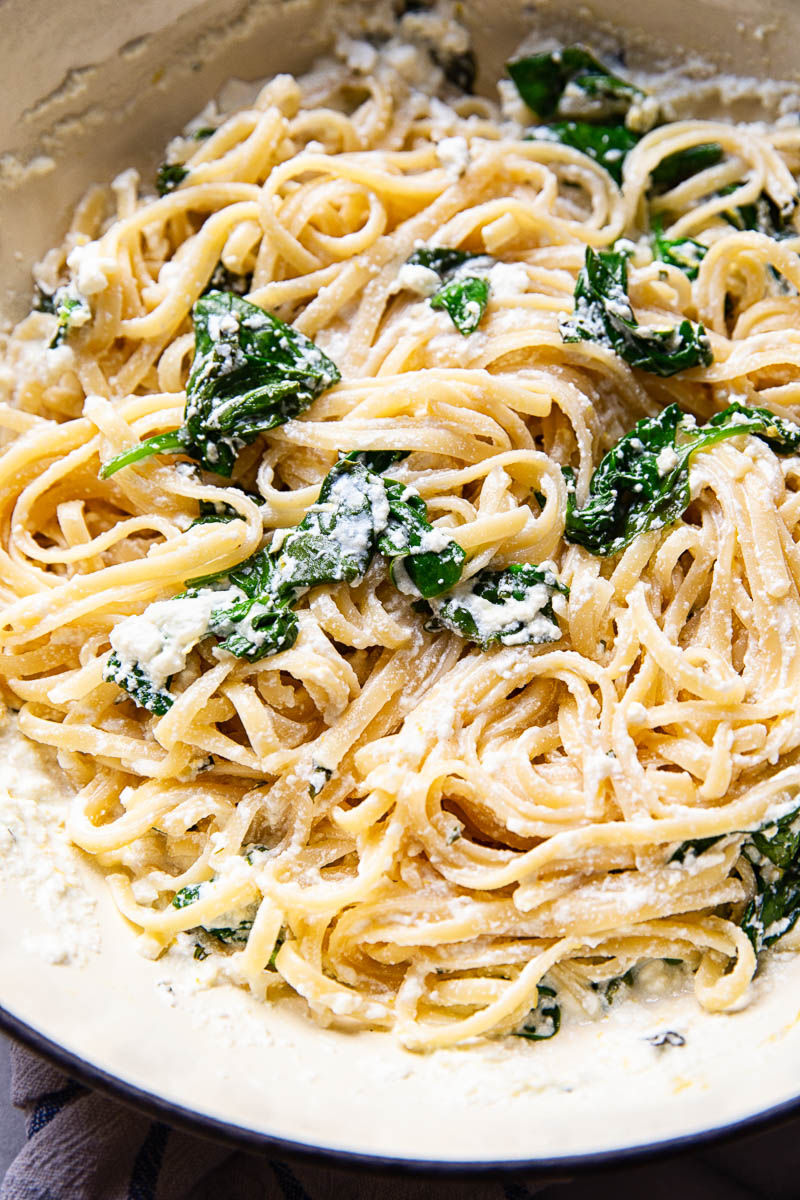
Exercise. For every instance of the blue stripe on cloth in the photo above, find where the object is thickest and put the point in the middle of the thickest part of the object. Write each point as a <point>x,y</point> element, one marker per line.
<point>147,1164</point>
<point>289,1184</point>
<point>51,1104</point>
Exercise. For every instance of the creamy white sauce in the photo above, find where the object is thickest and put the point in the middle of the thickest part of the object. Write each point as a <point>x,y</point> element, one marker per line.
<point>37,855</point>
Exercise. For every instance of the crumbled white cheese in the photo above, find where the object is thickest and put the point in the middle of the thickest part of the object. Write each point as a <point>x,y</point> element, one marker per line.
<point>507,280</point>
<point>359,56</point>
<point>642,114</point>
<point>89,265</point>
<point>159,640</point>
<point>453,154</point>
<point>666,461</point>
<point>414,278</point>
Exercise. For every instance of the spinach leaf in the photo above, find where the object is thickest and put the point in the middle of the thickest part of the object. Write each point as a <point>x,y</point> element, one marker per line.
<point>465,298</point>
<point>318,778</point>
<point>782,436</point>
<point>250,373</point>
<point>608,145</point>
<point>135,680</point>
<point>213,512</point>
<point>774,854</point>
<point>571,83</point>
<point>780,840</point>
<point>683,164</point>
<point>441,259</point>
<point>603,314</point>
<point>684,253</point>
<point>431,558</point>
<point>170,176</point>
<point>281,938</point>
<point>609,989</point>
<point>254,628</point>
<point>43,301</point>
<point>463,295</point>
<point>459,69</point>
<point>513,607</point>
<point>544,1021</point>
<point>762,216</point>
<point>642,483</point>
<point>259,624</point>
<point>695,847</point>
<point>336,539</point>
<point>231,934</point>
<point>377,461</point>
<point>235,935</point>
<point>72,310</point>
<point>187,895</point>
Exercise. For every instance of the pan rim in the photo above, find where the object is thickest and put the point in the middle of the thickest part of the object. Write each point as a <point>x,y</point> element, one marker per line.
<point>217,1129</point>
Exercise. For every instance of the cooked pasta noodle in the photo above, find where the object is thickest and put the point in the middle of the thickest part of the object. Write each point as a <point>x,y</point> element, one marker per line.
<point>481,817</point>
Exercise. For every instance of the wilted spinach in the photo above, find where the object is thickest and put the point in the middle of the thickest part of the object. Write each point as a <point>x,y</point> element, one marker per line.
<point>512,607</point>
<point>463,295</point>
<point>571,83</point>
<point>608,145</point>
<point>603,314</point>
<point>642,483</point>
<point>134,680</point>
<point>250,373</point>
<point>681,165</point>
<point>170,176</point>
<point>544,1021</point>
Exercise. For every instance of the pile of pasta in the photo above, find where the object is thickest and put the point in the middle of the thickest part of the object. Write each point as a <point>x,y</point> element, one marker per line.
<point>493,816</point>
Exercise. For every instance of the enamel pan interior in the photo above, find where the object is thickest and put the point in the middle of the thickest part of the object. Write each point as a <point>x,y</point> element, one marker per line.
<point>88,88</point>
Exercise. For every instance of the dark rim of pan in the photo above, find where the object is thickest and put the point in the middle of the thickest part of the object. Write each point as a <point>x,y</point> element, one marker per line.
<point>212,1128</point>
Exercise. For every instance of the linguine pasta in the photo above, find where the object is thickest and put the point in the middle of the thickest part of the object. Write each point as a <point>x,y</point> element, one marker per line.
<point>407,828</point>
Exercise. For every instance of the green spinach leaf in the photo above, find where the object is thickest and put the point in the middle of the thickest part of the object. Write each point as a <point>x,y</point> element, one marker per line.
<point>441,259</point>
<point>377,461</point>
<point>603,314</point>
<point>187,895</point>
<point>513,607</point>
<point>72,310</point>
<point>231,935</point>
<point>464,298</point>
<point>170,176</point>
<point>251,372</point>
<point>463,295</point>
<point>135,680</point>
<point>774,854</point>
<point>431,558</point>
<point>224,280</point>
<point>684,253</point>
<point>642,483</point>
<point>683,164</point>
<point>544,1021</point>
<point>608,145</point>
<point>336,539</point>
<point>571,83</point>
<point>762,216</point>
